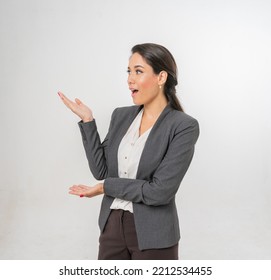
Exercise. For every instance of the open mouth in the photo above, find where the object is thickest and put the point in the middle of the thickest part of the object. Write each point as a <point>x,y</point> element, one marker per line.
<point>134,91</point>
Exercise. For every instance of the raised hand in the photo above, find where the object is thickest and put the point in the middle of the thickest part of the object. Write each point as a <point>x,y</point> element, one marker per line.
<point>78,108</point>
<point>86,191</point>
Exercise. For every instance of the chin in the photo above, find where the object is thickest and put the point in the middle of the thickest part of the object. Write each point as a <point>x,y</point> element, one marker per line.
<point>138,102</point>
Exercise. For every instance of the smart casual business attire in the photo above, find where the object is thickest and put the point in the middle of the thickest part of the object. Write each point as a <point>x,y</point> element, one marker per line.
<point>141,180</point>
<point>129,153</point>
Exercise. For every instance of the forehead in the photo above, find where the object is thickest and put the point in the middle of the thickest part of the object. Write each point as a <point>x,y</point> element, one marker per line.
<point>137,59</point>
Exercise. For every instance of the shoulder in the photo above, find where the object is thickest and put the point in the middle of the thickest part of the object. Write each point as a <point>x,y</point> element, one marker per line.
<point>127,109</point>
<point>180,123</point>
<point>121,112</point>
<point>181,119</point>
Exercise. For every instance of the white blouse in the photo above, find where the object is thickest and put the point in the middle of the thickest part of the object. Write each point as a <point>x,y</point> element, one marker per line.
<point>129,153</point>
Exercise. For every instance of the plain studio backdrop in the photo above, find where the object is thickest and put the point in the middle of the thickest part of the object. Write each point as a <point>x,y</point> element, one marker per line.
<point>82,48</point>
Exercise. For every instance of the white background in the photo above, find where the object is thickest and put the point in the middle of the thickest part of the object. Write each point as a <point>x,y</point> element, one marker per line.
<point>82,48</point>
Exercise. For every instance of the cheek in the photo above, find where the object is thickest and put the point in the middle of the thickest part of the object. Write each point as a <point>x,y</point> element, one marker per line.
<point>147,83</point>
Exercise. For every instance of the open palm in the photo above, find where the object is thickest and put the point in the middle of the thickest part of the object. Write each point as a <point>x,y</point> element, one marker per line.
<point>86,191</point>
<point>77,107</point>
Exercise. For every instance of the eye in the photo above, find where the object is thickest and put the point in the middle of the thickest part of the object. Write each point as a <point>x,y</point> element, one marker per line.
<point>138,72</point>
<point>128,72</point>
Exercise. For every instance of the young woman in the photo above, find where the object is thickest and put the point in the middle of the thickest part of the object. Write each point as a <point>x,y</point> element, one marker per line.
<point>142,160</point>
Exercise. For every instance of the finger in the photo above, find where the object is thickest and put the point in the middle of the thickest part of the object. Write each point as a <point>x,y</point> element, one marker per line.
<point>77,193</point>
<point>78,188</point>
<point>65,99</point>
<point>78,101</point>
<point>73,187</point>
<point>83,187</point>
<point>75,190</point>
<point>61,95</point>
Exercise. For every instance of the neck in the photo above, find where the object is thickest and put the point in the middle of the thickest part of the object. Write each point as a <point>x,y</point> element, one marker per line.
<point>155,108</point>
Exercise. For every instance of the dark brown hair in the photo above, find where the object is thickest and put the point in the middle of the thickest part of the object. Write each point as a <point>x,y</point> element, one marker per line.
<point>160,59</point>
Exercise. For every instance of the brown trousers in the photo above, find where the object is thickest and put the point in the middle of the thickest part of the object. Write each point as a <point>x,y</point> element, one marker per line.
<point>118,241</point>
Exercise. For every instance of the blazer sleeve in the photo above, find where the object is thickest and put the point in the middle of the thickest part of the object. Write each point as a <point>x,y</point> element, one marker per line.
<point>166,179</point>
<point>96,151</point>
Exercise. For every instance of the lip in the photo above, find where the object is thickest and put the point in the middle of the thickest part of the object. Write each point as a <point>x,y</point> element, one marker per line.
<point>132,91</point>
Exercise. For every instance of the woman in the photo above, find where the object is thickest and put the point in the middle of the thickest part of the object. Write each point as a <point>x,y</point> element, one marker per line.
<point>142,160</point>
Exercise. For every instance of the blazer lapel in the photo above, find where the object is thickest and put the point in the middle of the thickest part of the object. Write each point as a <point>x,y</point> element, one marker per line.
<point>117,137</point>
<point>152,145</point>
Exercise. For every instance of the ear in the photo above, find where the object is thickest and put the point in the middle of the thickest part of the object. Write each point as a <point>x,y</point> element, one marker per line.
<point>162,78</point>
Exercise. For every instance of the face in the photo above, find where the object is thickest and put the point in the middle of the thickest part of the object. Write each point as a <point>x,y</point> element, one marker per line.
<point>142,81</point>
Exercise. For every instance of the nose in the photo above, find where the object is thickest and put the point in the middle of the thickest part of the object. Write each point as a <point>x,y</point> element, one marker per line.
<point>130,79</point>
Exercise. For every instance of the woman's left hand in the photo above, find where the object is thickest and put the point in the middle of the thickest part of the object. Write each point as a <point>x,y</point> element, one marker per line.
<point>86,191</point>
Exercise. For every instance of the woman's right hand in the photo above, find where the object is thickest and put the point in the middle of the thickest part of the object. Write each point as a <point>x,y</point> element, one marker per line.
<point>78,108</point>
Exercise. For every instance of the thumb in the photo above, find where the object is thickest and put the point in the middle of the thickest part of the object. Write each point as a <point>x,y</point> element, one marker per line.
<point>78,101</point>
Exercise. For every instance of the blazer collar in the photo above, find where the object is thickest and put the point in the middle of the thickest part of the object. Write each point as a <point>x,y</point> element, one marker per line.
<point>136,110</point>
<point>165,111</point>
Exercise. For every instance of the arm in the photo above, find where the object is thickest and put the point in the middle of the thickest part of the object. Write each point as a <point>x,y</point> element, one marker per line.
<point>167,177</point>
<point>96,151</point>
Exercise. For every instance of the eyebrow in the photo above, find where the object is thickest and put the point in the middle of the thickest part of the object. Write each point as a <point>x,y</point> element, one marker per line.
<point>137,66</point>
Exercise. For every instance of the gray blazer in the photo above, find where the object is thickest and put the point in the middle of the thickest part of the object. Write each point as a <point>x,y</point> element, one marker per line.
<point>164,161</point>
